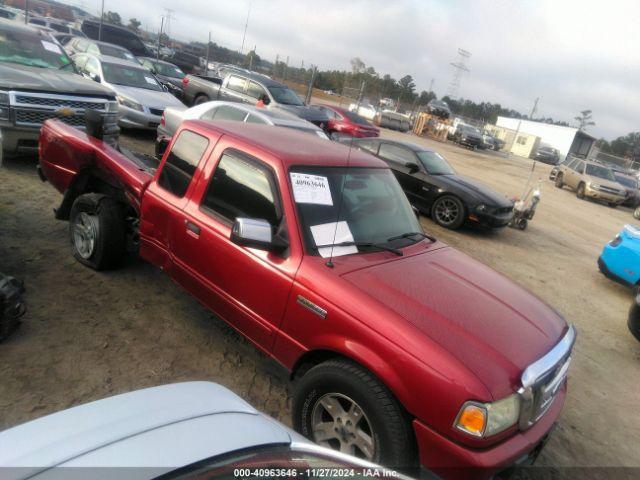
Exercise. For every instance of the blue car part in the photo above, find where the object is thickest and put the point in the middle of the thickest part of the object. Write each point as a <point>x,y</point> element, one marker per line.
<point>620,258</point>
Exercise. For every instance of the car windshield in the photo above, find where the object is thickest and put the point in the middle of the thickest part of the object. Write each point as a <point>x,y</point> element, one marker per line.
<point>471,130</point>
<point>116,52</point>
<point>355,118</point>
<point>599,171</point>
<point>435,164</point>
<point>626,181</point>
<point>372,208</point>
<point>130,76</point>
<point>25,48</point>
<point>168,70</point>
<point>285,95</point>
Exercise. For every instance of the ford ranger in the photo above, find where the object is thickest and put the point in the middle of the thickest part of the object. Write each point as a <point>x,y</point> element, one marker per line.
<point>403,350</point>
<point>39,81</point>
<point>239,86</point>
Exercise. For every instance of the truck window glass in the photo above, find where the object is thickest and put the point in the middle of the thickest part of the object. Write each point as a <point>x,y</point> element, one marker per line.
<point>255,91</point>
<point>227,112</point>
<point>236,84</point>
<point>182,161</point>
<point>241,188</point>
<point>255,119</point>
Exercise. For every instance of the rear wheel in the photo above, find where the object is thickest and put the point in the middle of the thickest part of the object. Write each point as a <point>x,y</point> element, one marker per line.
<point>448,212</point>
<point>97,231</point>
<point>340,405</point>
<point>580,191</point>
<point>200,99</point>
<point>634,317</point>
<point>636,213</point>
<point>613,205</point>
<point>559,180</point>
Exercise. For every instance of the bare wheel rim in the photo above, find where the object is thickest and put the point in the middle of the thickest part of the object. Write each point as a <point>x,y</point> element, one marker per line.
<point>85,234</point>
<point>338,422</point>
<point>447,211</point>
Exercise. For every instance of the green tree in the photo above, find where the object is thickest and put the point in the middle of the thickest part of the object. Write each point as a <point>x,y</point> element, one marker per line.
<point>134,24</point>
<point>112,17</point>
<point>584,120</point>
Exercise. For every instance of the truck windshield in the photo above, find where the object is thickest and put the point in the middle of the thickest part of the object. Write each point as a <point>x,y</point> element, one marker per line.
<point>286,96</point>
<point>372,208</point>
<point>31,50</point>
<point>130,77</point>
<point>600,172</point>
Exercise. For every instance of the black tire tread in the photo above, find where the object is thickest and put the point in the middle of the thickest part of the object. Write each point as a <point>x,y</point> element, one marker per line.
<point>395,417</point>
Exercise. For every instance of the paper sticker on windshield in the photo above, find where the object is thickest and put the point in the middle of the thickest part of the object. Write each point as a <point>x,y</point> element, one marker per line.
<point>150,80</point>
<point>52,47</point>
<point>331,234</point>
<point>311,189</point>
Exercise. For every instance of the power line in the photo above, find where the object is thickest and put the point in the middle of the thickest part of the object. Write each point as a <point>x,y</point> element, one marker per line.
<point>460,68</point>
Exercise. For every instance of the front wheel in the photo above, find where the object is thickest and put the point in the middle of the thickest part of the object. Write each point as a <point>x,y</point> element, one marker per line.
<point>340,405</point>
<point>559,182</point>
<point>580,191</point>
<point>448,212</point>
<point>200,99</point>
<point>636,213</point>
<point>97,231</point>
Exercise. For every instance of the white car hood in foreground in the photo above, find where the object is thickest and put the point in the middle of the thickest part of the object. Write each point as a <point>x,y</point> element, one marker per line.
<point>160,428</point>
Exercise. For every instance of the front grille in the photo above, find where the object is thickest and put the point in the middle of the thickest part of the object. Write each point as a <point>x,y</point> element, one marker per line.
<point>503,210</point>
<point>156,111</point>
<point>37,118</point>
<point>57,102</point>
<point>610,190</point>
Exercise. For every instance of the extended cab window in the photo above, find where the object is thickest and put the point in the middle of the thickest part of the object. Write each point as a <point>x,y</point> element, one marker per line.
<point>241,187</point>
<point>236,84</point>
<point>182,161</point>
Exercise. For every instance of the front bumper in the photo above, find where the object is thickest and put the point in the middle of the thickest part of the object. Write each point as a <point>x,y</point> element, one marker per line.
<point>491,220</point>
<point>605,196</point>
<point>616,264</point>
<point>452,461</point>
<point>471,142</point>
<point>17,140</point>
<point>130,118</point>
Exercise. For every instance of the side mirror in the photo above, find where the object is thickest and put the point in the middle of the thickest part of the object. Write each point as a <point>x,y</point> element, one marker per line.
<point>413,168</point>
<point>95,77</point>
<point>266,100</point>
<point>255,233</point>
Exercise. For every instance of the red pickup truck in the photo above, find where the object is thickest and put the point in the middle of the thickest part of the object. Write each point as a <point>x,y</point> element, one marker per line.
<point>403,350</point>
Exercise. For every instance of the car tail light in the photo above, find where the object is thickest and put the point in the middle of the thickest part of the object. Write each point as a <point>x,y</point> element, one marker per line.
<point>162,120</point>
<point>185,81</point>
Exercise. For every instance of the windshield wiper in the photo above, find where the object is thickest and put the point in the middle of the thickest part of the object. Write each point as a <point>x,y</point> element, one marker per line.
<point>379,246</point>
<point>412,234</point>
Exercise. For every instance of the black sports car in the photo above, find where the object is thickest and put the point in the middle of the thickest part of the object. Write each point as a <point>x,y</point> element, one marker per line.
<point>468,136</point>
<point>439,108</point>
<point>435,189</point>
<point>547,154</point>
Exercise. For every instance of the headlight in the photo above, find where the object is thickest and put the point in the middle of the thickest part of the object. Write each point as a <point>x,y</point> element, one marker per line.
<point>595,186</point>
<point>4,98</point>
<point>616,241</point>
<point>481,208</point>
<point>486,419</point>
<point>129,103</point>
<point>4,113</point>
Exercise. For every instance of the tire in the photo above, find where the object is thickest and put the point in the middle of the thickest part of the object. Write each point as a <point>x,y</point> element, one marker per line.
<point>634,319</point>
<point>580,191</point>
<point>200,99</point>
<point>335,136</point>
<point>559,182</point>
<point>449,212</point>
<point>339,384</point>
<point>613,205</point>
<point>636,213</point>
<point>97,231</point>
<point>522,224</point>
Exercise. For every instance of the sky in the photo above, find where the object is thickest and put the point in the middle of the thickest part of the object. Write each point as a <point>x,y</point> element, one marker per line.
<point>573,55</point>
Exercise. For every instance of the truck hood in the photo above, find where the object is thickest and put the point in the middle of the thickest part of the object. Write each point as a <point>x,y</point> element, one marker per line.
<point>477,189</point>
<point>148,98</point>
<point>307,113</point>
<point>20,77</point>
<point>487,322</point>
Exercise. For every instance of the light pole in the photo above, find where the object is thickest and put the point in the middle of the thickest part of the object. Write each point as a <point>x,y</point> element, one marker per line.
<point>160,38</point>
<point>246,24</point>
<point>101,21</point>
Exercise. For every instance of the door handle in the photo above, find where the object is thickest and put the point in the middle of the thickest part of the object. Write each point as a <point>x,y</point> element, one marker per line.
<point>192,227</point>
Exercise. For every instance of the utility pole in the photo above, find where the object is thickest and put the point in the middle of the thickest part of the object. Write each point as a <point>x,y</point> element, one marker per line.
<point>360,95</point>
<point>534,109</point>
<point>314,71</point>
<point>284,72</point>
<point>275,65</point>
<point>160,38</point>
<point>431,85</point>
<point>26,11</point>
<point>246,24</point>
<point>460,69</point>
<point>101,22</point>
<point>206,65</point>
<point>169,16</point>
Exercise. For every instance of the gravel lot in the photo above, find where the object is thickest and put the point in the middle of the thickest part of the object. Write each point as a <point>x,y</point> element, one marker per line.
<point>88,335</point>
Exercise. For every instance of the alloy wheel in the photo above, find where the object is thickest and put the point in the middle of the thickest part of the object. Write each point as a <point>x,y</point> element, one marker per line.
<point>447,211</point>
<point>85,234</point>
<point>338,422</point>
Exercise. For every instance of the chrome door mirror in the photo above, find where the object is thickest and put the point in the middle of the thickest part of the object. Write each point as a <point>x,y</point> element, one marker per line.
<point>255,233</point>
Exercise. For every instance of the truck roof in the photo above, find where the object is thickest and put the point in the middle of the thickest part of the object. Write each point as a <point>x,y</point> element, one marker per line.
<point>289,146</point>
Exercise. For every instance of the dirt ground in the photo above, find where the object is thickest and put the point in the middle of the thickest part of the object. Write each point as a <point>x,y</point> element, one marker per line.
<point>88,335</point>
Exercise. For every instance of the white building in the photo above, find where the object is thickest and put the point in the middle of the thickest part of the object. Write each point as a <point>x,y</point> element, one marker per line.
<point>564,139</point>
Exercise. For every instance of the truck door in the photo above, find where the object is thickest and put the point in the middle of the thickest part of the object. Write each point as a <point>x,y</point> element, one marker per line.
<point>249,288</point>
<point>162,203</point>
<point>233,89</point>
